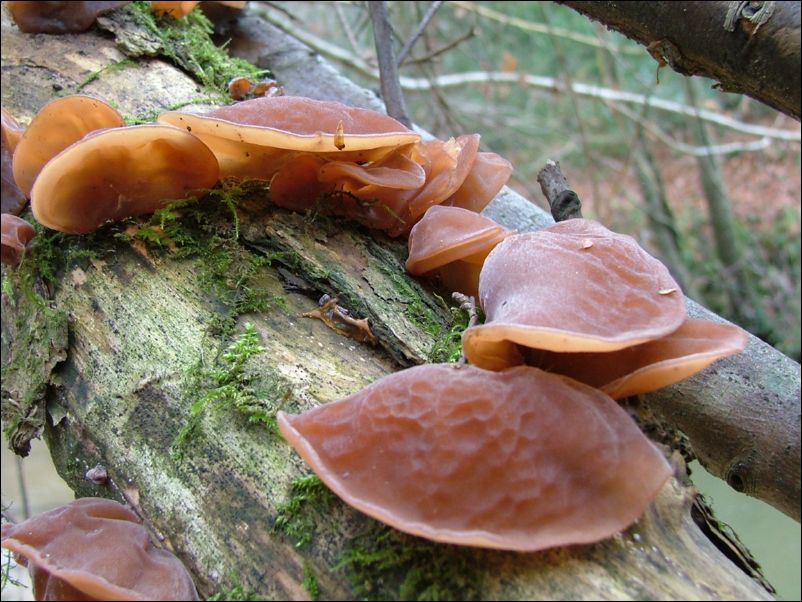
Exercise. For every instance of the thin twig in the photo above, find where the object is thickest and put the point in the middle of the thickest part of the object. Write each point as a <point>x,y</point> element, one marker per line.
<point>346,28</point>
<point>417,32</point>
<point>445,48</point>
<point>388,72</point>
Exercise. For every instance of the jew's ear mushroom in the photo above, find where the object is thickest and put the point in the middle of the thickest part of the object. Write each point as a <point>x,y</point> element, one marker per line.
<point>515,460</point>
<point>254,138</point>
<point>452,243</point>
<point>118,173</point>
<point>649,366</point>
<point>16,234</point>
<point>176,9</point>
<point>13,199</point>
<point>573,287</point>
<point>58,17</point>
<point>60,123</point>
<point>96,549</point>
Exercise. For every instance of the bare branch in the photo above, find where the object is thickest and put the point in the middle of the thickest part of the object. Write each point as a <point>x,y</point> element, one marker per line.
<point>388,71</point>
<point>418,31</point>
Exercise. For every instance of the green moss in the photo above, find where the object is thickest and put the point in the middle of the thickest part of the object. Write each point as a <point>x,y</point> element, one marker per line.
<point>208,229</point>
<point>386,564</point>
<point>299,517</point>
<point>234,591</point>
<point>187,42</point>
<point>110,68</point>
<point>310,582</point>
<point>447,346</point>
<point>229,385</point>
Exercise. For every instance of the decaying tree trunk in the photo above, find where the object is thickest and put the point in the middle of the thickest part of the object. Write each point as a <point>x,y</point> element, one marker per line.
<point>139,331</point>
<point>749,48</point>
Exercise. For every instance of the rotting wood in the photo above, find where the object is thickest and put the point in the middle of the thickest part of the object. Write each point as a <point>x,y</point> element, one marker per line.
<point>139,323</point>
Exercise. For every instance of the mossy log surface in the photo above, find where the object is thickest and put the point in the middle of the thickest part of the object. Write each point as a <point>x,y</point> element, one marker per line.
<point>145,326</point>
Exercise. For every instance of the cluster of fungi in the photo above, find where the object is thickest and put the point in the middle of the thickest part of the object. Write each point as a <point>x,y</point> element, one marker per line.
<point>524,448</point>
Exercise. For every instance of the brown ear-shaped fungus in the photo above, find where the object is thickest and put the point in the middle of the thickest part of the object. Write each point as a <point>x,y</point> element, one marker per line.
<point>648,366</point>
<point>454,242</point>
<point>58,17</point>
<point>450,163</point>
<point>13,199</point>
<point>11,130</point>
<point>487,176</point>
<point>16,234</point>
<point>60,123</point>
<point>295,186</point>
<point>176,9</point>
<point>395,170</point>
<point>96,549</point>
<point>252,138</point>
<point>571,287</point>
<point>118,173</point>
<point>516,460</point>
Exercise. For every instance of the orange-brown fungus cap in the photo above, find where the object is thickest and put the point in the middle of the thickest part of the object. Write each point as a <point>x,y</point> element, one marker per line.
<point>395,170</point>
<point>251,138</point>
<point>648,366</point>
<point>16,234</point>
<point>176,9</point>
<point>516,460</point>
<point>239,87</point>
<point>120,173</point>
<point>11,130</point>
<point>57,17</point>
<point>13,199</point>
<point>454,242</point>
<point>487,177</point>
<point>57,125</point>
<point>95,549</point>
<point>575,286</point>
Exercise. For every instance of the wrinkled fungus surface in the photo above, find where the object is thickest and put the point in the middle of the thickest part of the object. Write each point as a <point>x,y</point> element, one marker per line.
<point>571,287</point>
<point>518,460</point>
<point>96,549</point>
<point>648,366</point>
<point>118,173</point>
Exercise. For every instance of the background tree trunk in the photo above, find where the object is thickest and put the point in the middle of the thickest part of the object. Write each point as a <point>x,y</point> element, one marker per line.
<point>753,51</point>
<point>146,328</point>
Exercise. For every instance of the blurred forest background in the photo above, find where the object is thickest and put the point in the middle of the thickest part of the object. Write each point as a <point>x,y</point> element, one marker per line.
<point>716,197</point>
